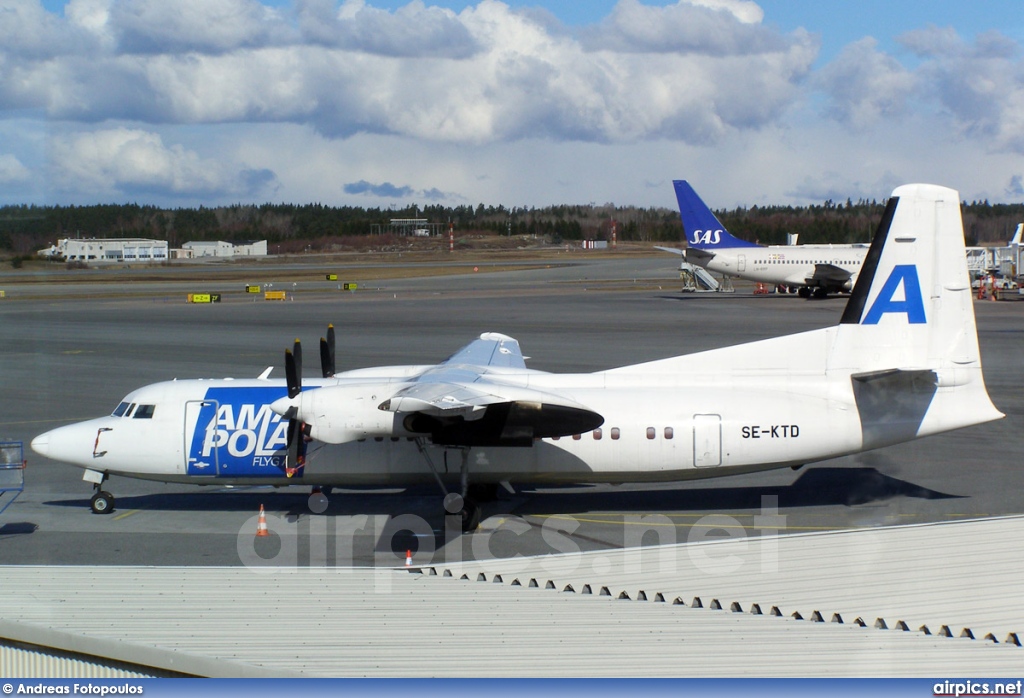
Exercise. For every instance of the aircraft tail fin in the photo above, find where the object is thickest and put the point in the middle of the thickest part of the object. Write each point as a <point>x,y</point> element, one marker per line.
<point>703,230</point>
<point>908,335</point>
<point>1017,235</point>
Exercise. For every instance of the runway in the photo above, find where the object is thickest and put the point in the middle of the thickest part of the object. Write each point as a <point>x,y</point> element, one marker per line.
<point>70,351</point>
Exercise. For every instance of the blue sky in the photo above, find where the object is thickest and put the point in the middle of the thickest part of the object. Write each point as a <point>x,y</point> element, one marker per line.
<point>386,103</point>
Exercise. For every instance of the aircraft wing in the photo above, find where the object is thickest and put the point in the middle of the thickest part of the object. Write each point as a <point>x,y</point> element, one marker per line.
<point>489,349</point>
<point>461,401</point>
<point>828,275</point>
<point>476,397</point>
<point>469,401</point>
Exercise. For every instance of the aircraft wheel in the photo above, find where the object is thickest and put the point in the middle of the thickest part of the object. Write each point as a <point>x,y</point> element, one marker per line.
<point>804,292</point>
<point>317,502</point>
<point>470,516</point>
<point>102,503</point>
<point>820,292</point>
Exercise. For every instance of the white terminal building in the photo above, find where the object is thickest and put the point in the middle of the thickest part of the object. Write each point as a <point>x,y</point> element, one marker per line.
<point>108,250</point>
<point>135,250</point>
<point>219,248</point>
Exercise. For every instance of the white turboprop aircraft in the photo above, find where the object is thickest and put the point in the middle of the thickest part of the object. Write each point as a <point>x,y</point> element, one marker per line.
<point>817,269</point>
<point>903,363</point>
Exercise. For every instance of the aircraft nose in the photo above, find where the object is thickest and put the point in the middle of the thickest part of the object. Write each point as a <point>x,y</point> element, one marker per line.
<point>41,444</point>
<point>73,443</point>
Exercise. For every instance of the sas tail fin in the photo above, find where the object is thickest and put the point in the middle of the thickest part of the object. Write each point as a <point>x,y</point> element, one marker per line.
<point>908,336</point>
<point>703,230</point>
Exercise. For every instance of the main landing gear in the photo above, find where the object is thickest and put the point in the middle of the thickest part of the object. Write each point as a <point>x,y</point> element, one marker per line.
<point>456,503</point>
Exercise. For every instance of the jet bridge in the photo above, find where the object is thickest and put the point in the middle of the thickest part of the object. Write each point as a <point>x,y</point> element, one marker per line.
<point>12,472</point>
<point>698,279</point>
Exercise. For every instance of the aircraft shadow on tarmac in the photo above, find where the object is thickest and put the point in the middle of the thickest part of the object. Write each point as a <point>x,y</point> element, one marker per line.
<point>825,486</point>
<point>815,488</point>
<point>709,295</point>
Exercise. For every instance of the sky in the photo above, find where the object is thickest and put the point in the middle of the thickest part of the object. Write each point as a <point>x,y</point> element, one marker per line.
<point>182,103</point>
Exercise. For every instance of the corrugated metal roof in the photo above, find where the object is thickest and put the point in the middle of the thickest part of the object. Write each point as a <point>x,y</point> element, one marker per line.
<point>960,578</point>
<point>26,660</point>
<point>361,622</point>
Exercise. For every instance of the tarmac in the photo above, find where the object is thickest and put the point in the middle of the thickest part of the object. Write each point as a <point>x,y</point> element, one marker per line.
<point>70,351</point>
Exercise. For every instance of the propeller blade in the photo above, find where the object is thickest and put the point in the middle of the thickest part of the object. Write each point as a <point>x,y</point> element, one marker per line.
<point>297,433</point>
<point>292,427</point>
<point>327,353</point>
<point>291,371</point>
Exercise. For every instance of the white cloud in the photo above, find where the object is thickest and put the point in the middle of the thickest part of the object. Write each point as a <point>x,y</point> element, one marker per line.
<point>865,85</point>
<point>132,161</point>
<point>162,100</point>
<point>486,74</point>
<point>158,26</point>
<point>12,171</point>
<point>980,84</point>
<point>412,30</point>
<point>29,31</point>
<point>712,27</point>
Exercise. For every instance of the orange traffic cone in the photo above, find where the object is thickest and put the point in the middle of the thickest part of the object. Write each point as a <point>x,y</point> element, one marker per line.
<point>261,524</point>
<point>408,558</point>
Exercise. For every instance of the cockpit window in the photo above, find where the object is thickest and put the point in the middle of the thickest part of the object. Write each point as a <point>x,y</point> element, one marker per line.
<point>131,408</point>
<point>120,410</point>
<point>144,411</point>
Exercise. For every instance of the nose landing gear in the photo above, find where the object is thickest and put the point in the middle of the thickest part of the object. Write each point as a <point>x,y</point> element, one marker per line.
<point>102,502</point>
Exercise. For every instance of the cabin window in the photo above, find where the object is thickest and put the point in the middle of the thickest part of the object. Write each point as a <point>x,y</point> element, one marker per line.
<point>144,411</point>
<point>597,434</point>
<point>669,433</point>
<point>651,432</point>
<point>576,437</point>
<point>120,410</point>
<point>615,433</point>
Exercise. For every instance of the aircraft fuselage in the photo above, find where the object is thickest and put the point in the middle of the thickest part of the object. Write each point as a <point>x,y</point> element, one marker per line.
<point>224,432</point>
<point>790,265</point>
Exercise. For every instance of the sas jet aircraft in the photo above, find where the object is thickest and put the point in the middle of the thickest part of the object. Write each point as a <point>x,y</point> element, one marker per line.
<point>817,269</point>
<point>903,363</point>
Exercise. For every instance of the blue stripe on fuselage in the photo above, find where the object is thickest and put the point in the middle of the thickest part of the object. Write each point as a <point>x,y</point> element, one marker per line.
<point>238,435</point>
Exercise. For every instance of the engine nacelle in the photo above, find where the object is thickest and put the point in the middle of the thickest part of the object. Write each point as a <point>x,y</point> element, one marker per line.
<point>343,413</point>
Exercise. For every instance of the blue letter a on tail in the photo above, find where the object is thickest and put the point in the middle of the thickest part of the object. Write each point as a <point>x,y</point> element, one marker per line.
<point>912,303</point>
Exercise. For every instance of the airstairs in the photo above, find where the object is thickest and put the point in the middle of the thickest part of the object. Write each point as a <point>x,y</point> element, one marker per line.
<point>698,280</point>
<point>12,472</point>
